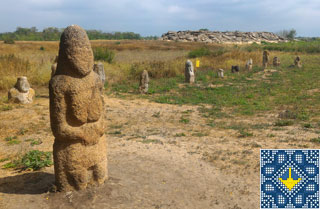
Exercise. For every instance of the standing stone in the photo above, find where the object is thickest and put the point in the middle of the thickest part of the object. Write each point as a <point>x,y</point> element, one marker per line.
<point>265,59</point>
<point>77,115</point>
<point>235,69</point>
<point>54,67</point>
<point>220,73</point>
<point>144,82</point>
<point>21,93</point>
<point>99,69</point>
<point>297,62</point>
<point>249,64</point>
<point>189,72</point>
<point>276,62</point>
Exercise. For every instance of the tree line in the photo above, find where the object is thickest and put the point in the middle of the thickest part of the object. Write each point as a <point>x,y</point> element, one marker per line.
<point>53,34</point>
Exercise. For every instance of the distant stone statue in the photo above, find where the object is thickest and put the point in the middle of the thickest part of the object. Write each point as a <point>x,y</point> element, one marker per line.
<point>21,93</point>
<point>54,67</point>
<point>265,59</point>
<point>77,115</point>
<point>189,72</point>
<point>235,69</point>
<point>144,82</point>
<point>297,62</point>
<point>99,69</point>
<point>276,62</point>
<point>249,65</point>
<point>220,73</point>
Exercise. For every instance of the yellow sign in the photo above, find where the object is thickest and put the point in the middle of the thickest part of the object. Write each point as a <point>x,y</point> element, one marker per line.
<point>197,63</point>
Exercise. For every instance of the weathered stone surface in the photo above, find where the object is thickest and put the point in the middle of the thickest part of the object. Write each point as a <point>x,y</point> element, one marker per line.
<point>249,64</point>
<point>144,82</point>
<point>276,61</point>
<point>21,93</point>
<point>77,115</point>
<point>54,67</point>
<point>220,73</point>
<point>99,69</point>
<point>297,62</point>
<point>221,37</point>
<point>265,59</point>
<point>189,72</point>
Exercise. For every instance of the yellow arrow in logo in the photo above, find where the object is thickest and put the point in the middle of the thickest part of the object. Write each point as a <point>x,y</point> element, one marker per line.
<point>290,183</point>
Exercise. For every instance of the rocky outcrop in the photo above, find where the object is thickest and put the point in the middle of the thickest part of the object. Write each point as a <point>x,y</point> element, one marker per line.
<point>221,37</point>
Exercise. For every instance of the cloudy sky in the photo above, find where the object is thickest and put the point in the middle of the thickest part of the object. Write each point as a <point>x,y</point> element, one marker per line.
<point>154,17</point>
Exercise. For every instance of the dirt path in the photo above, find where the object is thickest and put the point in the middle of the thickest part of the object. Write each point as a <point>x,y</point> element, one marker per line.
<point>159,156</point>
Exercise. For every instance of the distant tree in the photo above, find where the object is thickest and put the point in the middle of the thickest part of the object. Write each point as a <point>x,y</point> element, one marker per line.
<point>204,29</point>
<point>289,34</point>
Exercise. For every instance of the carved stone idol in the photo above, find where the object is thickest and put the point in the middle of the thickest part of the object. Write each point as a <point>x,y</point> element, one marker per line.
<point>77,115</point>
<point>297,62</point>
<point>99,69</point>
<point>144,82</point>
<point>276,62</point>
<point>21,93</point>
<point>189,72</point>
<point>265,59</point>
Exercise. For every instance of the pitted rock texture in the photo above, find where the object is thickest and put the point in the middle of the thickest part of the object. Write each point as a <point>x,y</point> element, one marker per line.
<point>276,61</point>
<point>144,82</point>
<point>221,37</point>
<point>77,115</point>
<point>21,93</point>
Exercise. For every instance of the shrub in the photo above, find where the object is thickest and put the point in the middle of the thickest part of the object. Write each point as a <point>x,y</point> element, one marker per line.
<point>8,41</point>
<point>103,54</point>
<point>41,48</point>
<point>199,53</point>
<point>33,160</point>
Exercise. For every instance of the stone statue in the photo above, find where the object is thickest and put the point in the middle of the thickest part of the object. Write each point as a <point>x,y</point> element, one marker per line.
<point>249,64</point>
<point>220,73</point>
<point>265,59</point>
<point>144,82</point>
<point>99,69</point>
<point>21,92</point>
<point>235,68</point>
<point>276,62</point>
<point>297,62</point>
<point>77,115</point>
<point>54,67</point>
<point>189,72</point>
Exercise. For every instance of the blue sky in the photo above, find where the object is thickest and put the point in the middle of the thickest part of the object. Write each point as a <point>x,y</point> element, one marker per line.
<point>154,17</point>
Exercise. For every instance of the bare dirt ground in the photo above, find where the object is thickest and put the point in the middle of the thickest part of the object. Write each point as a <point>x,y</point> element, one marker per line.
<point>156,158</point>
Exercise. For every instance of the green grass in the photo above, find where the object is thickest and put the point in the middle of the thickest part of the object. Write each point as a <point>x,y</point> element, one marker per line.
<point>179,134</point>
<point>151,141</point>
<point>284,123</point>
<point>33,160</point>
<point>184,120</point>
<point>315,140</point>
<point>199,53</point>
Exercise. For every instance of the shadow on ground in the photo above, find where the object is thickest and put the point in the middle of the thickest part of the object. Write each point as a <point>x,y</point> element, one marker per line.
<point>28,183</point>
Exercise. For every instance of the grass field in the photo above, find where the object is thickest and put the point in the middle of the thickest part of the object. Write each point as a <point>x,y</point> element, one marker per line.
<point>246,93</point>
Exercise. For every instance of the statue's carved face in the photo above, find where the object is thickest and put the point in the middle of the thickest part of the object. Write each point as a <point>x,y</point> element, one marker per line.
<point>75,50</point>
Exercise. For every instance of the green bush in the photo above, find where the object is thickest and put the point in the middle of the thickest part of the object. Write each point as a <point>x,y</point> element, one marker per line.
<point>103,54</point>
<point>33,160</point>
<point>8,41</point>
<point>199,53</point>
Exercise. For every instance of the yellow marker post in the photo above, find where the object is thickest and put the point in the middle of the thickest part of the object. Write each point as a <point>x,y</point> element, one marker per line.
<point>197,63</point>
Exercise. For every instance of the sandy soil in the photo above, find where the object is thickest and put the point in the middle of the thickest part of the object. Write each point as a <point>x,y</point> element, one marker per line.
<point>154,159</point>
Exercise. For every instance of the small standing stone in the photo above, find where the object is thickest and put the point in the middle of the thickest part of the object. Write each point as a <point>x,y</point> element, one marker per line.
<point>297,62</point>
<point>249,64</point>
<point>220,73</point>
<point>77,115</point>
<point>54,67</point>
<point>235,69</point>
<point>99,69</point>
<point>189,72</point>
<point>21,93</point>
<point>276,61</point>
<point>144,82</point>
<point>265,59</point>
